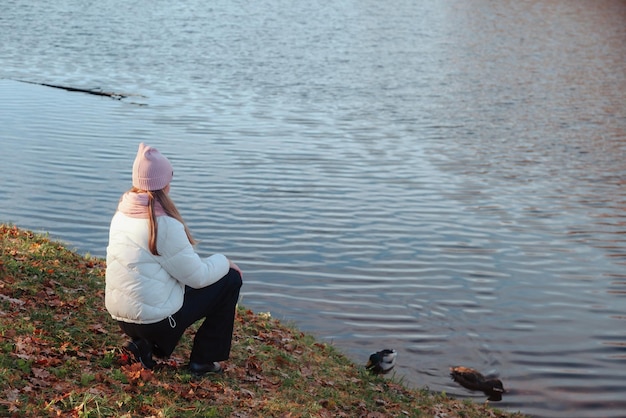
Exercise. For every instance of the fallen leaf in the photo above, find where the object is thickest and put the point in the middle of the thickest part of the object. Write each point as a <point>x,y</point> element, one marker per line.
<point>98,329</point>
<point>40,373</point>
<point>11,395</point>
<point>12,300</point>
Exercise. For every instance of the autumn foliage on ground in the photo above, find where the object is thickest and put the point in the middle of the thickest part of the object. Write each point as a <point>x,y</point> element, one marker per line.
<point>60,356</point>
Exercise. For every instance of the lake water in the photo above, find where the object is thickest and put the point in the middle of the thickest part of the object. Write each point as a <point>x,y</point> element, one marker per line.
<point>443,178</point>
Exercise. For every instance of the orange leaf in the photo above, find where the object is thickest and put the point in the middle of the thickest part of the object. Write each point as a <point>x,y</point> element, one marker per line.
<point>146,375</point>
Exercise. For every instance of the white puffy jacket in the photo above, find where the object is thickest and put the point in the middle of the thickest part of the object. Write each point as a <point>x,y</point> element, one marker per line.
<point>143,288</point>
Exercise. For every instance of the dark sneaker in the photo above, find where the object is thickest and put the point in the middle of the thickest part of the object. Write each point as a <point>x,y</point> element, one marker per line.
<point>156,352</point>
<point>141,350</point>
<point>209,368</point>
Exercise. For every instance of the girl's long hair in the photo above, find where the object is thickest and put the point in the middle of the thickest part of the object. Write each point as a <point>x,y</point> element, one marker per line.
<point>170,210</point>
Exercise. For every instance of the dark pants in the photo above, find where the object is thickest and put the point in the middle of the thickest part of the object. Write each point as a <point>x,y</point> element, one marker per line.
<point>215,303</point>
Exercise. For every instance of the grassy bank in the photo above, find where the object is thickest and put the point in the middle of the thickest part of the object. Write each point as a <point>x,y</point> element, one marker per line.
<point>59,356</point>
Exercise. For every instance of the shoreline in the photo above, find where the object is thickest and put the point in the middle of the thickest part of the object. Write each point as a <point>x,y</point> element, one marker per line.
<point>60,353</point>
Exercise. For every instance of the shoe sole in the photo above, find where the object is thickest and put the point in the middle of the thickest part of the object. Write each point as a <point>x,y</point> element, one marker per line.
<point>209,372</point>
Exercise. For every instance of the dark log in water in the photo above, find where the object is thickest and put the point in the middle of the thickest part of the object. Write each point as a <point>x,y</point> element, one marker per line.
<point>117,96</point>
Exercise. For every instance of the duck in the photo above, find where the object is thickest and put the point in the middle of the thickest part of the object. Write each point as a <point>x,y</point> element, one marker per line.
<point>473,380</point>
<point>381,362</point>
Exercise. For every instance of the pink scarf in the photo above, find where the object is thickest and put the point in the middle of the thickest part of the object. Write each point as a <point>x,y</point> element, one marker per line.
<point>135,205</point>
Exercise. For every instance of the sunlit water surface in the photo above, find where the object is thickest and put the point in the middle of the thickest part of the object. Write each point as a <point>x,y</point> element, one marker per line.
<point>443,178</point>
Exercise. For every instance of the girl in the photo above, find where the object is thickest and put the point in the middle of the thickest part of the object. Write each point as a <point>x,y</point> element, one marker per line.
<point>156,284</point>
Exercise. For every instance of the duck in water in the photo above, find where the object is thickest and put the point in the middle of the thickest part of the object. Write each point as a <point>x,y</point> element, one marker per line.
<point>473,380</point>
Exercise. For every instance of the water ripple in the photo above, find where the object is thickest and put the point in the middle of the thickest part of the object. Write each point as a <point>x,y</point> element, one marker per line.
<point>433,177</point>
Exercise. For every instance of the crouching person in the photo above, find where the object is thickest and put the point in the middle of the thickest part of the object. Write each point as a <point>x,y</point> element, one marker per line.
<point>156,284</point>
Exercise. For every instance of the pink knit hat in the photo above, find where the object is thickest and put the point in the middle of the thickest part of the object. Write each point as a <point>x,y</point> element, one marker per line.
<point>151,170</point>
